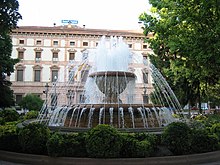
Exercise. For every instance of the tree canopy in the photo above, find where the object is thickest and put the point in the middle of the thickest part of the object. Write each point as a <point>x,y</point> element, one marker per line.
<point>31,102</point>
<point>9,17</point>
<point>186,44</point>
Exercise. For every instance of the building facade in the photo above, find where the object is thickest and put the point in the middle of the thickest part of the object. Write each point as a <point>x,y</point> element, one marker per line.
<point>45,53</point>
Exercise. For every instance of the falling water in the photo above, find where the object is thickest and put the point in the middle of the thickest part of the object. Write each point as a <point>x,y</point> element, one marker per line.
<point>111,115</point>
<point>101,115</point>
<point>91,111</point>
<point>130,110</point>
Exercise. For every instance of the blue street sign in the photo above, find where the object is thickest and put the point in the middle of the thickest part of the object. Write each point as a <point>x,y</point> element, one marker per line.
<point>70,21</point>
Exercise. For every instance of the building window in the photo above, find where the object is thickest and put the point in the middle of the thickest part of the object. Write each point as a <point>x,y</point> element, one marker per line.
<point>18,98</point>
<point>145,60</point>
<point>20,75</point>
<point>71,56</point>
<point>145,99</point>
<point>21,41</point>
<point>84,75</point>
<point>72,43</point>
<point>129,45</point>
<point>55,43</point>
<point>55,57</point>
<point>85,44</point>
<point>145,77</point>
<point>71,76</point>
<point>38,42</point>
<point>37,57</point>
<point>85,54</point>
<point>82,99</point>
<point>21,55</point>
<point>54,75</point>
<point>145,46</point>
<point>37,75</point>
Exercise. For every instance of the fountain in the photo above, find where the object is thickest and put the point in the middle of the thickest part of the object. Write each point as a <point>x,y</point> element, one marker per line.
<point>112,93</point>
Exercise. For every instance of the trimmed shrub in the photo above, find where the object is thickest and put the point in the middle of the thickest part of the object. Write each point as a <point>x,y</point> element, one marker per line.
<point>142,149</point>
<point>33,138</point>
<point>9,114</point>
<point>103,141</point>
<point>9,137</point>
<point>128,146</point>
<point>152,138</point>
<point>72,145</point>
<point>176,136</point>
<point>55,145</point>
<point>203,142</point>
<point>81,148</point>
<point>31,115</point>
<point>137,145</point>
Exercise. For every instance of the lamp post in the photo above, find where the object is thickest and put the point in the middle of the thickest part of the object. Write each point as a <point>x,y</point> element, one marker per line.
<point>46,93</point>
<point>46,90</point>
<point>55,92</point>
<point>69,96</point>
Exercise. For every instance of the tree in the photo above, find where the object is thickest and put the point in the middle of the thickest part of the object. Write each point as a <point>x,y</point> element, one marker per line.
<point>31,102</point>
<point>186,44</point>
<point>9,17</point>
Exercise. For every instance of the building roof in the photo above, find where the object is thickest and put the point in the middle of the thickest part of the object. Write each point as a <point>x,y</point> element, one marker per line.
<point>76,30</point>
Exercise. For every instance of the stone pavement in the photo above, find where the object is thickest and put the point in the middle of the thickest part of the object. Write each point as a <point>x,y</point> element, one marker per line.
<point>9,163</point>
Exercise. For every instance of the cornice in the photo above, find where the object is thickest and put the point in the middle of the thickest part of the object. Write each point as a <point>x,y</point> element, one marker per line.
<point>76,31</point>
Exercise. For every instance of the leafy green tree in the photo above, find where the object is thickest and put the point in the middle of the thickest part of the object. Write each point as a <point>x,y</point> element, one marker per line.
<point>9,17</point>
<point>31,102</point>
<point>186,44</point>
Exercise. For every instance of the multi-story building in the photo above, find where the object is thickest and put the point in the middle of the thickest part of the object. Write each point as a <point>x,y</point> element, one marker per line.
<point>44,53</point>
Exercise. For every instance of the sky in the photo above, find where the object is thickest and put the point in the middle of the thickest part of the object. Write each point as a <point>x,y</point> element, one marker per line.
<point>100,14</point>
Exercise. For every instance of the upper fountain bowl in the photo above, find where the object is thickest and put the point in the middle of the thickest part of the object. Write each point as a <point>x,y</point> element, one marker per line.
<point>112,83</point>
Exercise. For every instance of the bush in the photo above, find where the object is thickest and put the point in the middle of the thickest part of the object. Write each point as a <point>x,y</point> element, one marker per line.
<point>152,138</point>
<point>203,142</point>
<point>215,129</point>
<point>137,145</point>
<point>142,149</point>
<point>9,137</point>
<point>33,138</point>
<point>31,115</point>
<point>55,145</point>
<point>73,146</point>
<point>176,137</point>
<point>103,141</point>
<point>128,146</point>
<point>2,121</point>
<point>9,114</point>
<point>67,145</point>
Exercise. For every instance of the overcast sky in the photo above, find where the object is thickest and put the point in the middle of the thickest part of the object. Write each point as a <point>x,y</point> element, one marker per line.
<point>103,14</point>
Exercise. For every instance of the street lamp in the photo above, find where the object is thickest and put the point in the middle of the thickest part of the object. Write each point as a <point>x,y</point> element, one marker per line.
<point>55,92</point>
<point>70,95</point>
<point>46,92</point>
